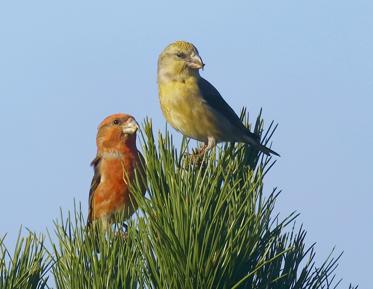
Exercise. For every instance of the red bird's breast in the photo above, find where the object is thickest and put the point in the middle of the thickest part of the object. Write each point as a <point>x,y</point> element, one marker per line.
<point>113,194</point>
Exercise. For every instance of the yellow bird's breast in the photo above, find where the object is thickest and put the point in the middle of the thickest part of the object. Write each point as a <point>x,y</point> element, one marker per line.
<point>184,108</point>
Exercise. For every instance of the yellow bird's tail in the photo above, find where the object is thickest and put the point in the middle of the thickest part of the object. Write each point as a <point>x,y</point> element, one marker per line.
<point>254,140</point>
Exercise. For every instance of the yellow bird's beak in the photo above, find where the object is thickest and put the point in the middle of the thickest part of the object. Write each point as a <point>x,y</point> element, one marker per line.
<point>130,126</point>
<point>195,62</point>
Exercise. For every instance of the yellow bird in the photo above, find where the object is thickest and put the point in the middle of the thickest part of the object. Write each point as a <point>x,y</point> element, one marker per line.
<point>194,106</point>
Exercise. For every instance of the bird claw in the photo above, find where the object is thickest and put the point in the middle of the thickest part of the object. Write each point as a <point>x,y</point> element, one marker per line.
<point>121,234</point>
<point>196,158</point>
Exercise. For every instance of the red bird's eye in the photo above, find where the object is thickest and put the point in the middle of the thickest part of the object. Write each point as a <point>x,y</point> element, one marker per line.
<point>116,122</point>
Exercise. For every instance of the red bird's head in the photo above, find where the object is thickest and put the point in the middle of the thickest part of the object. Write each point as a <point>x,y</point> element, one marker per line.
<point>117,133</point>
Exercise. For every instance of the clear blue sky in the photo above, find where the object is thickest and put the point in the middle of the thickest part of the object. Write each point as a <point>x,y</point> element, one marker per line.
<point>65,65</point>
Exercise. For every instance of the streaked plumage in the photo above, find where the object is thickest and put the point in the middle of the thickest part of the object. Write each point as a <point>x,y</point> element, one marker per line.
<point>114,168</point>
<point>194,106</point>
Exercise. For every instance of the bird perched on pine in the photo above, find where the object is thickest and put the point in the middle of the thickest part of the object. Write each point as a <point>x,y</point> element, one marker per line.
<point>114,169</point>
<point>193,106</point>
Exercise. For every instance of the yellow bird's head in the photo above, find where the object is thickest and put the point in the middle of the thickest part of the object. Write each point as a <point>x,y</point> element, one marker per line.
<point>179,59</point>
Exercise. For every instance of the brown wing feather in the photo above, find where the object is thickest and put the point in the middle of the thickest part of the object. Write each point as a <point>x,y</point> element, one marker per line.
<point>95,182</point>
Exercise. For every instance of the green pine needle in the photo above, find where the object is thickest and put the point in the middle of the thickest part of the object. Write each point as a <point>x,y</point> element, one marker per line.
<point>201,225</point>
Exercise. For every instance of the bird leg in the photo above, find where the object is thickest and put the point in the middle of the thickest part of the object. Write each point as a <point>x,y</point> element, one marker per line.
<point>199,151</point>
<point>211,142</point>
<point>197,156</point>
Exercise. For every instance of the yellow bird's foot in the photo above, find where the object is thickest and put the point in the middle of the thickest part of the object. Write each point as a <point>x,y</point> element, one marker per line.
<point>196,158</point>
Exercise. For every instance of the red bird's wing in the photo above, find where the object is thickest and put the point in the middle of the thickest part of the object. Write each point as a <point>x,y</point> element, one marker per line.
<point>95,182</point>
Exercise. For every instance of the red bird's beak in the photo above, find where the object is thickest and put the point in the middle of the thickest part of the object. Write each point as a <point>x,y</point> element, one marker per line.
<point>130,126</point>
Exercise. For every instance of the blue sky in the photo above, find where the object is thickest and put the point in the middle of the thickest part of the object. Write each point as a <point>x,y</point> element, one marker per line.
<point>66,65</point>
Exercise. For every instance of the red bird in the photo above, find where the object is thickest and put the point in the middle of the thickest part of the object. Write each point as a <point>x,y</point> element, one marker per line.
<point>114,168</point>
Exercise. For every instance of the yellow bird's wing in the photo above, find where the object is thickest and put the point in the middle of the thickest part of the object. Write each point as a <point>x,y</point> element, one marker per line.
<point>212,98</point>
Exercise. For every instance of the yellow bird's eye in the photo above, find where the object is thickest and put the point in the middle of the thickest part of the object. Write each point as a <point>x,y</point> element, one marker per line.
<point>180,55</point>
<point>116,122</point>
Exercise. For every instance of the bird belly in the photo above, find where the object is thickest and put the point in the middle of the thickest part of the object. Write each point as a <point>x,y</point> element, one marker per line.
<point>112,194</point>
<point>186,112</point>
